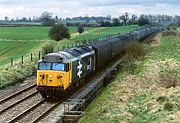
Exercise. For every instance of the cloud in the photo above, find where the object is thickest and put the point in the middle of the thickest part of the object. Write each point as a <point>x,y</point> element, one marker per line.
<point>129,2</point>
<point>70,8</point>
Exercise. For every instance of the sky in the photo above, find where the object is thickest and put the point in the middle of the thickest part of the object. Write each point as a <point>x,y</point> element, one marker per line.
<point>71,8</point>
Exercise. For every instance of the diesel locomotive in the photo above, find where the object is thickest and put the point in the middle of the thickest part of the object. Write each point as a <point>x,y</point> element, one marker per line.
<point>63,71</point>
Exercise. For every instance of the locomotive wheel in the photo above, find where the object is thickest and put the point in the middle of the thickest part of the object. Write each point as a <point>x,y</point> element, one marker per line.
<point>43,94</point>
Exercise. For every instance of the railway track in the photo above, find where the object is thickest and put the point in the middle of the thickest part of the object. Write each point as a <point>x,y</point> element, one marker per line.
<point>10,104</point>
<point>18,102</point>
<point>46,113</point>
<point>17,93</point>
<point>28,114</point>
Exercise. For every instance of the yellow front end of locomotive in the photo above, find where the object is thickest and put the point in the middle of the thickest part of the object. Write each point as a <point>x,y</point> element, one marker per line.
<point>50,78</point>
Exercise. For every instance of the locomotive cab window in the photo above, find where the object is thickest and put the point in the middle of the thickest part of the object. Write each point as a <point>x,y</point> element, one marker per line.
<point>44,66</point>
<point>60,67</point>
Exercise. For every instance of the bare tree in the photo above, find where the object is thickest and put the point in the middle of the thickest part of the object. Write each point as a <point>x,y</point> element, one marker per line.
<point>56,18</point>
<point>134,19</point>
<point>124,18</point>
<point>6,18</point>
<point>46,19</point>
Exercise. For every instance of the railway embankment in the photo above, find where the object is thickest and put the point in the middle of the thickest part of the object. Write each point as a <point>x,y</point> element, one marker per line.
<point>146,89</point>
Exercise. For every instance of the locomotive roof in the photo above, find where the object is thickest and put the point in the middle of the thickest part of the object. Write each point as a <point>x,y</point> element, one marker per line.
<point>79,50</point>
<point>68,54</point>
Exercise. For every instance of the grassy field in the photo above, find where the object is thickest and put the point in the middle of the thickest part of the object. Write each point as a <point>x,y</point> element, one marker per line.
<point>152,95</point>
<point>15,49</point>
<point>98,33</point>
<point>18,41</point>
<point>29,33</point>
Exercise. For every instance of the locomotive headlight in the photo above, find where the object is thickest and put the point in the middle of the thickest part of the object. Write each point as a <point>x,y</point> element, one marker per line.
<point>50,76</point>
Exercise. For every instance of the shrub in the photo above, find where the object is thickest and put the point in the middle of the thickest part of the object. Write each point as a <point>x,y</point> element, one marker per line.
<point>168,106</point>
<point>80,29</point>
<point>133,53</point>
<point>59,32</point>
<point>47,48</point>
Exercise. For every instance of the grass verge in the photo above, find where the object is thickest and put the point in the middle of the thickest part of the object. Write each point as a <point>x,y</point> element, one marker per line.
<point>142,97</point>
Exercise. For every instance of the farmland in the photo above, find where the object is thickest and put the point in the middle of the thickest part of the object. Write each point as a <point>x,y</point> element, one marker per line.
<point>18,41</point>
<point>151,95</point>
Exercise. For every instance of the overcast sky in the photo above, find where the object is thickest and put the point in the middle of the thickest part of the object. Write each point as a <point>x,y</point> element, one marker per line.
<point>71,8</point>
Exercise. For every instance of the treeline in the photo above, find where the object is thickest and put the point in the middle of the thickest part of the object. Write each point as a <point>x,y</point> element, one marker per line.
<point>47,19</point>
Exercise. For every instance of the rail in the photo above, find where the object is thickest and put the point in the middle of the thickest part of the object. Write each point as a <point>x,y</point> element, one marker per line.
<point>17,93</point>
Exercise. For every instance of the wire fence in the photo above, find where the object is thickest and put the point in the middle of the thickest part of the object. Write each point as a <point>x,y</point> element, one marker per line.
<point>34,57</point>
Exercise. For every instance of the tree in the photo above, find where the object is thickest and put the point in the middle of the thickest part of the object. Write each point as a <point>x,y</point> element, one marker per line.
<point>56,18</point>
<point>6,18</point>
<point>134,19</point>
<point>80,29</point>
<point>46,19</point>
<point>115,22</point>
<point>59,32</point>
<point>105,24</point>
<point>143,21</point>
<point>29,19</point>
<point>124,18</point>
<point>24,19</point>
<point>178,23</point>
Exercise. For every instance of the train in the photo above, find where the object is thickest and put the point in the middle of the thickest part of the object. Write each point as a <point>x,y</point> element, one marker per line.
<point>61,72</point>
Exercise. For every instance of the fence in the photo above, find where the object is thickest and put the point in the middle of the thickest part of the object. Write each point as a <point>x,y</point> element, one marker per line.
<point>37,56</point>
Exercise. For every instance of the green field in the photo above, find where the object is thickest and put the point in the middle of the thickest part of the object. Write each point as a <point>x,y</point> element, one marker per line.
<point>98,33</point>
<point>18,41</point>
<point>29,33</point>
<point>15,49</point>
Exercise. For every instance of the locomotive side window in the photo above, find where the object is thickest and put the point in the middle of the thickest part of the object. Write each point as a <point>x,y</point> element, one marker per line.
<point>58,66</point>
<point>44,66</point>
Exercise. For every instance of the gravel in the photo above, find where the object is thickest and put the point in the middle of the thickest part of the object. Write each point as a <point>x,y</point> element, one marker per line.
<point>36,113</point>
<point>16,99</point>
<point>16,110</point>
<point>19,86</point>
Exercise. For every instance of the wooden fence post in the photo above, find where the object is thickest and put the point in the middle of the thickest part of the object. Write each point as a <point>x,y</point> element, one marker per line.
<point>22,60</point>
<point>31,57</point>
<point>11,61</point>
<point>39,55</point>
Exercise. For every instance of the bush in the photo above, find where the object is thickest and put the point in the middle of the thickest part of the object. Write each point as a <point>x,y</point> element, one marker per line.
<point>80,29</point>
<point>17,73</point>
<point>168,106</point>
<point>106,24</point>
<point>133,53</point>
<point>59,32</point>
<point>47,48</point>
